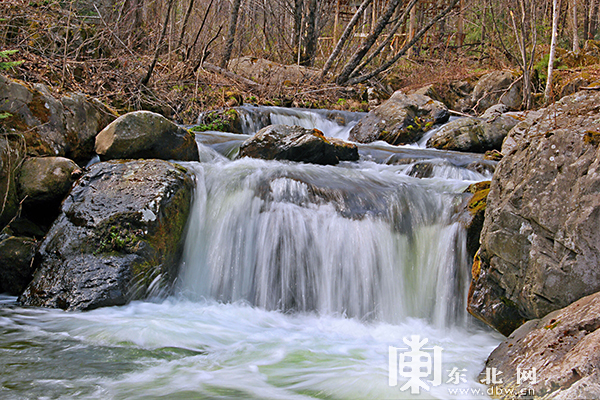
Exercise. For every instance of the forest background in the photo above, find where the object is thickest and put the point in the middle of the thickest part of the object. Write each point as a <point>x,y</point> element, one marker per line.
<point>174,56</point>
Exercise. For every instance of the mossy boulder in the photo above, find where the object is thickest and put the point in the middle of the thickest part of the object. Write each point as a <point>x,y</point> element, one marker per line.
<point>144,134</point>
<point>400,120</point>
<point>52,126</point>
<point>119,237</point>
<point>294,143</point>
<point>227,120</point>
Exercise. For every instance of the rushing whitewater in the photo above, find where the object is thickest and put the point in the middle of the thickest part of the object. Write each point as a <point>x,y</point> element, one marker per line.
<point>295,281</point>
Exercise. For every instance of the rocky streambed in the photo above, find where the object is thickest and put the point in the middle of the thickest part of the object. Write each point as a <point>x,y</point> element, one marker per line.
<point>79,237</point>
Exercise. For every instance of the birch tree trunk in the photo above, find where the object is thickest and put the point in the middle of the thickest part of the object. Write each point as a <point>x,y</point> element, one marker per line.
<point>555,13</point>
<point>574,25</point>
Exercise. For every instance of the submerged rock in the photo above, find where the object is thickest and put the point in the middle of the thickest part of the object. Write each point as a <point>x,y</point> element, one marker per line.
<point>144,134</point>
<point>400,120</point>
<point>294,143</point>
<point>119,237</point>
<point>540,243</point>
<point>563,349</point>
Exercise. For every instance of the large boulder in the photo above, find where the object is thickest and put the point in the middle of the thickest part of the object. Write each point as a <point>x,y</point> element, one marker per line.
<point>503,87</point>
<point>53,126</point>
<point>119,237</point>
<point>540,244</point>
<point>473,134</point>
<point>144,134</point>
<point>12,152</point>
<point>401,119</point>
<point>559,354</point>
<point>294,143</point>
<point>16,263</point>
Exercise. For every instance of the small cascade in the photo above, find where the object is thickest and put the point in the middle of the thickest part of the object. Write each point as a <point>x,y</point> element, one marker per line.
<point>334,123</point>
<point>359,242</point>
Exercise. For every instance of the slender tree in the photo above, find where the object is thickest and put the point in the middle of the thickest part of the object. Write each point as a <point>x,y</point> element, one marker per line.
<point>231,27</point>
<point>555,14</point>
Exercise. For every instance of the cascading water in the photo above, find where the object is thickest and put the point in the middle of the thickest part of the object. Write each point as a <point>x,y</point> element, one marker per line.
<point>295,282</point>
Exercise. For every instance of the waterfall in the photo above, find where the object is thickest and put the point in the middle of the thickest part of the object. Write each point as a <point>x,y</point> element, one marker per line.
<point>360,240</point>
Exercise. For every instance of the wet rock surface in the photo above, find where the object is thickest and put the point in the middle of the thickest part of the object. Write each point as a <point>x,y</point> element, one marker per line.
<point>118,237</point>
<point>563,349</point>
<point>401,119</point>
<point>294,143</point>
<point>144,134</point>
<point>540,243</point>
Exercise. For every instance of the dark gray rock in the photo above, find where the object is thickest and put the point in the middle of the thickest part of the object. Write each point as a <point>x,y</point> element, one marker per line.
<point>16,263</point>
<point>119,237</point>
<point>540,245</point>
<point>401,119</point>
<point>144,134</point>
<point>294,143</point>
<point>563,348</point>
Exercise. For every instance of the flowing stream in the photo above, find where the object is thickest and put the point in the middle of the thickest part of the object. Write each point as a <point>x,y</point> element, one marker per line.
<point>296,281</point>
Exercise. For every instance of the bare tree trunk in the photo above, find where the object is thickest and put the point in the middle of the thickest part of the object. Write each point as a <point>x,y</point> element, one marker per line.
<point>368,43</point>
<point>574,25</point>
<point>344,38</point>
<point>298,14</point>
<point>146,79</point>
<point>401,21</point>
<point>401,52</point>
<point>188,52</point>
<point>185,22</point>
<point>555,13</point>
<point>412,29</point>
<point>310,36</point>
<point>521,35</point>
<point>460,25</point>
<point>232,25</point>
